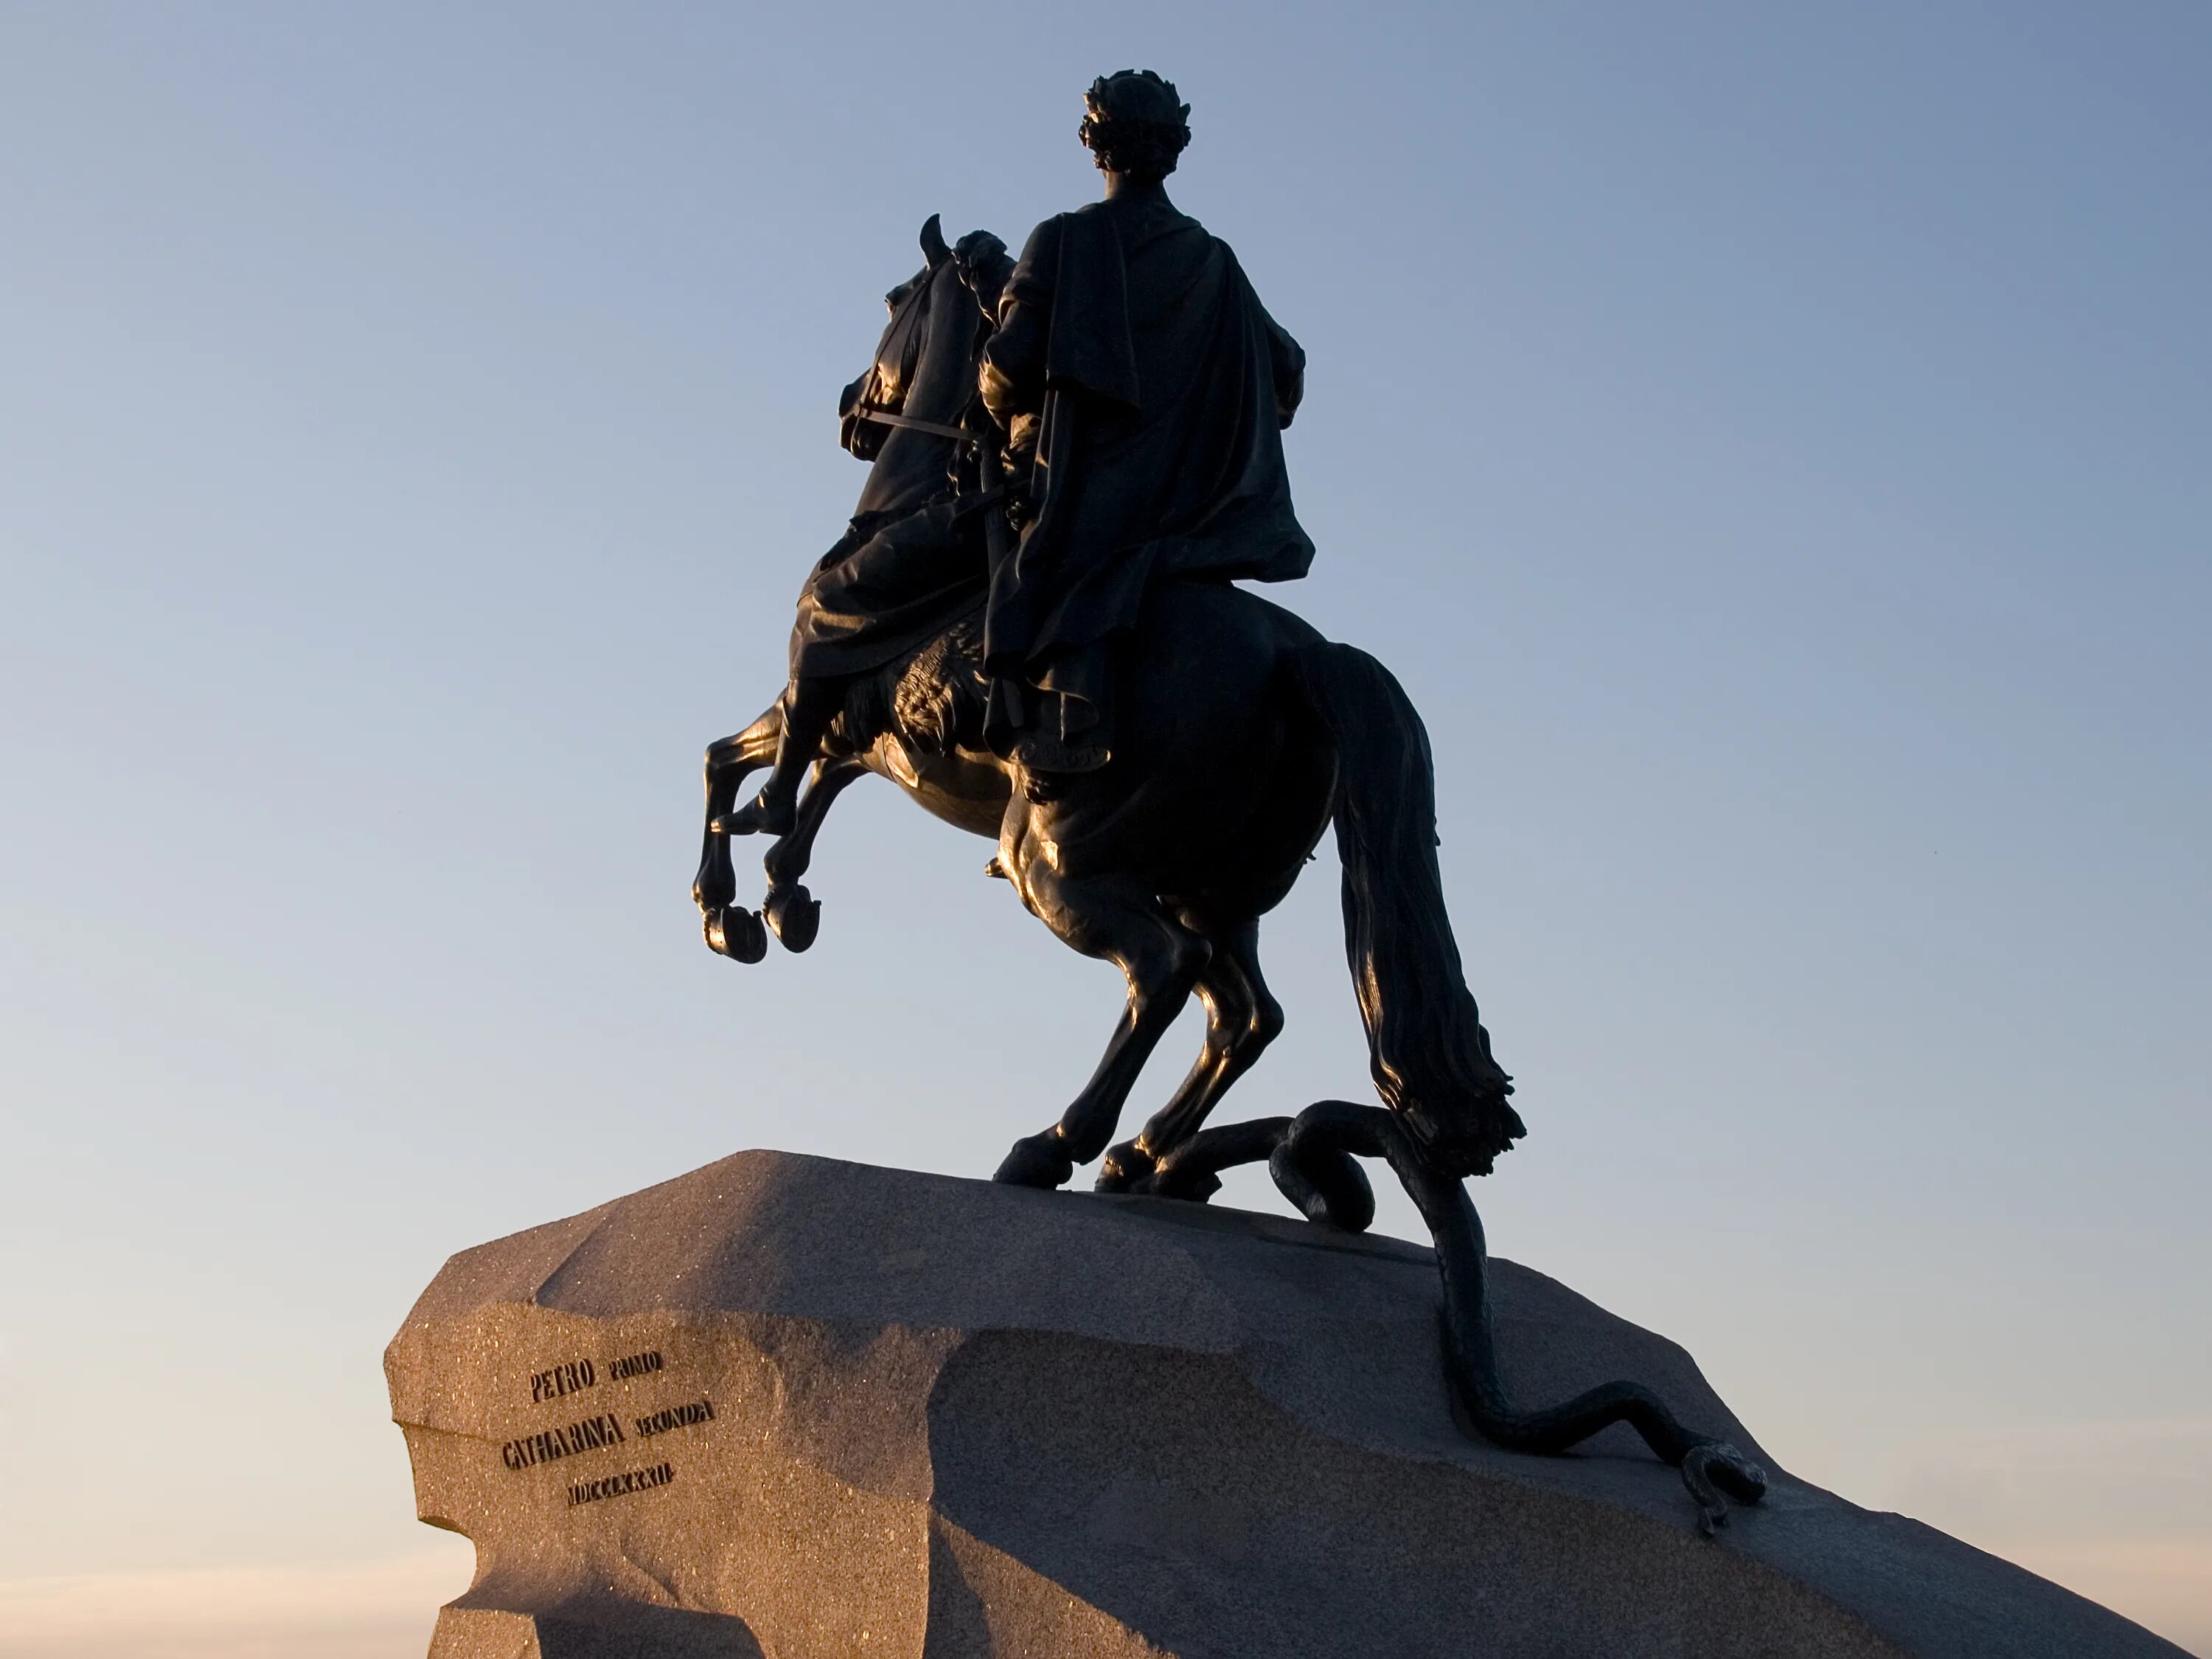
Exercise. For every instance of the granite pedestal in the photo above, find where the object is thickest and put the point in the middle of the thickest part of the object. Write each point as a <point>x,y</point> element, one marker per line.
<point>811,1410</point>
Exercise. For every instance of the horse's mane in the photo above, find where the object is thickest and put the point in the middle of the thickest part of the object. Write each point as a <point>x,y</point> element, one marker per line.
<point>933,698</point>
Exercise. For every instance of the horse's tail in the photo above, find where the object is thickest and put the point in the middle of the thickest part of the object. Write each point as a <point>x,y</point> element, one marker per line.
<point>1428,1052</point>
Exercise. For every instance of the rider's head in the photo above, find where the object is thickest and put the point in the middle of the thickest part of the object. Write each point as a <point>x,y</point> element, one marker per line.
<point>1134,126</point>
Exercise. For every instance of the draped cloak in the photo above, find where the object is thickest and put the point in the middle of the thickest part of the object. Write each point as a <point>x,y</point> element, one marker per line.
<point>1163,385</point>
<point>900,575</point>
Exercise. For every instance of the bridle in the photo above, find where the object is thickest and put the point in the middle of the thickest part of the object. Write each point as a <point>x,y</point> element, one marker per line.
<point>883,417</point>
<point>892,417</point>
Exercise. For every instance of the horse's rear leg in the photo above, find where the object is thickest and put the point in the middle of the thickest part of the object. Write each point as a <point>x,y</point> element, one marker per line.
<point>1115,918</point>
<point>1242,1019</point>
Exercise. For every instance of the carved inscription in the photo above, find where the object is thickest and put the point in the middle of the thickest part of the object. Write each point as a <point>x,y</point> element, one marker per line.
<point>598,1432</point>
<point>555,1381</point>
<point>588,1435</point>
<point>593,1491</point>
<point>675,1417</point>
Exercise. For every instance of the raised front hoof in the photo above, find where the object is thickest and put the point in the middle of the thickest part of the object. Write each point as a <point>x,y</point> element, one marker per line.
<point>757,816</point>
<point>1715,1472</point>
<point>1127,1168</point>
<point>793,914</point>
<point>736,933</point>
<point>1037,1161</point>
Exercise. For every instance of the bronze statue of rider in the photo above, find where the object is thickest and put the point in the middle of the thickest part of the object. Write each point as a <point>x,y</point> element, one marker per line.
<point>1141,390</point>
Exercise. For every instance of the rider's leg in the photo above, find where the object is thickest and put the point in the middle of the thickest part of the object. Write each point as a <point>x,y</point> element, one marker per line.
<point>810,704</point>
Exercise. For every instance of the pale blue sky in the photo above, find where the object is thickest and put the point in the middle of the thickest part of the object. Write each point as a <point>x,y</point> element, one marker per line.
<point>1771,443</point>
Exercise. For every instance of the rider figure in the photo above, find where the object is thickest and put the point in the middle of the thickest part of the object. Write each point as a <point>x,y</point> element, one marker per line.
<point>1144,389</point>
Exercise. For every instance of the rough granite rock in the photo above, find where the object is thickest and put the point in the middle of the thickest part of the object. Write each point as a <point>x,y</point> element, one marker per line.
<point>811,1410</point>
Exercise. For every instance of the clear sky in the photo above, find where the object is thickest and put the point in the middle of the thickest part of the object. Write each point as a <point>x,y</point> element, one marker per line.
<point>1773,445</point>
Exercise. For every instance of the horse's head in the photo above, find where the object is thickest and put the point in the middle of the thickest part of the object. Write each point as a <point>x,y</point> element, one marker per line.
<point>924,369</point>
<point>884,385</point>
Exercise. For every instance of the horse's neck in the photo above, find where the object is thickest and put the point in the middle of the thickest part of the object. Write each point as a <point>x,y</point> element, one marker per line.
<point>910,467</point>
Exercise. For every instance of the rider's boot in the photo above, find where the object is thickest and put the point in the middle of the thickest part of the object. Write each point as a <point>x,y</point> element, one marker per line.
<point>810,704</point>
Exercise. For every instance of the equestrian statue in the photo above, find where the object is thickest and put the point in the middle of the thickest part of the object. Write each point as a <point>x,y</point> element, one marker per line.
<point>1031,626</point>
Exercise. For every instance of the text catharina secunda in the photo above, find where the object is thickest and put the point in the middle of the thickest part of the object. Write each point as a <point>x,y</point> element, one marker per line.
<point>591,1433</point>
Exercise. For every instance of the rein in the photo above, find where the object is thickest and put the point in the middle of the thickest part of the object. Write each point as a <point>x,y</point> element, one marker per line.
<point>886,417</point>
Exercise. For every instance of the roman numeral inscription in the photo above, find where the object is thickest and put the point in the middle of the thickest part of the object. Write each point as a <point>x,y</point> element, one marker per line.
<point>593,1492</point>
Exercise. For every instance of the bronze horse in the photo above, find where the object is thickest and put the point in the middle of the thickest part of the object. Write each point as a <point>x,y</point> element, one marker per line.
<point>1244,734</point>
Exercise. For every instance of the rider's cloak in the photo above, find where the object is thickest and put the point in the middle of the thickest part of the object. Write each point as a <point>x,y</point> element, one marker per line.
<point>1163,386</point>
<point>910,564</point>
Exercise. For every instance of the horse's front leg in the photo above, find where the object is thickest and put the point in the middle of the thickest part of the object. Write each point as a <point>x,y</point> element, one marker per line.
<point>729,762</point>
<point>792,913</point>
<point>1115,918</point>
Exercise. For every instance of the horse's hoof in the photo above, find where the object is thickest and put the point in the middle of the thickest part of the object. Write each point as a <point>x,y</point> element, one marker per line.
<point>1037,1161</point>
<point>1127,1168</point>
<point>1189,1181</point>
<point>793,914</point>
<point>736,933</point>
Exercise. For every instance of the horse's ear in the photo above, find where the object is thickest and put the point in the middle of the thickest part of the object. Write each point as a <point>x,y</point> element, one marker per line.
<point>933,243</point>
